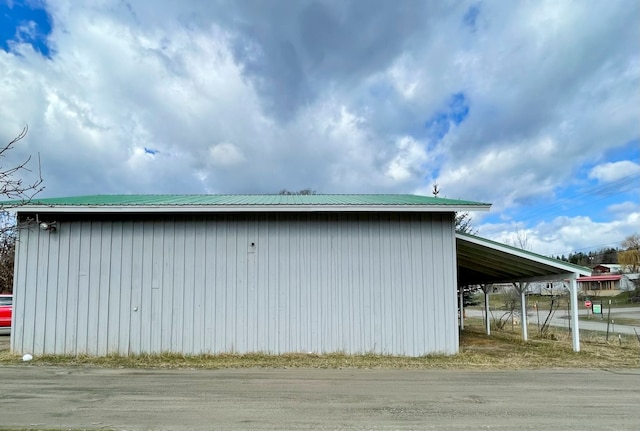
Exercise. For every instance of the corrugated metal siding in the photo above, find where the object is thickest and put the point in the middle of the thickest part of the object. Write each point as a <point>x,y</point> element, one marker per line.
<point>275,283</point>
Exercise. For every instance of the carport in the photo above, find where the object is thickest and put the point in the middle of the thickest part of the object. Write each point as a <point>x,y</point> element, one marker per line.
<point>484,262</point>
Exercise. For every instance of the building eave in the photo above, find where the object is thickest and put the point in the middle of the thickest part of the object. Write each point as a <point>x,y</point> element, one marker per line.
<point>298,208</point>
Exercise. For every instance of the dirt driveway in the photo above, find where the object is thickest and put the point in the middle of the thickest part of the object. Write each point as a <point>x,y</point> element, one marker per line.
<point>131,399</point>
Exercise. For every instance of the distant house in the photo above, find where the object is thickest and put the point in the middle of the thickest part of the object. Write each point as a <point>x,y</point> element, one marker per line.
<point>600,285</point>
<point>607,285</point>
<point>607,268</point>
<point>550,288</point>
<point>608,279</point>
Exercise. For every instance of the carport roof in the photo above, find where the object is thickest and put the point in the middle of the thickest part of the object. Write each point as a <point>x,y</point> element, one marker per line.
<point>482,261</point>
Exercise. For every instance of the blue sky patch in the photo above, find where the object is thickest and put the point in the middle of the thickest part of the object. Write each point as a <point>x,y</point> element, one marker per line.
<point>471,15</point>
<point>25,22</point>
<point>629,151</point>
<point>456,112</point>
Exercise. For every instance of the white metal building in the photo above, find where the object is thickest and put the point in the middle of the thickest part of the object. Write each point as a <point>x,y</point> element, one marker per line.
<point>254,273</point>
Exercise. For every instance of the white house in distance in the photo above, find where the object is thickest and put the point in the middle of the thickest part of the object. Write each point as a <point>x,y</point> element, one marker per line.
<point>193,274</point>
<point>605,280</point>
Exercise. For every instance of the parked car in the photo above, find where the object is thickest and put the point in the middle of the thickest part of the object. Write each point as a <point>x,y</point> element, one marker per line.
<point>6,309</point>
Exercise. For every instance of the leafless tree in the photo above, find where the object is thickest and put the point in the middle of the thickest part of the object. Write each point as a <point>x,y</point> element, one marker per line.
<point>12,184</point>
<point>7,258</point>
<point>520,239</point>
<point>14,191</point>
<point>513,295</point>
<point>511,299</point>
<point>299,192</point>
<point>553,307</point>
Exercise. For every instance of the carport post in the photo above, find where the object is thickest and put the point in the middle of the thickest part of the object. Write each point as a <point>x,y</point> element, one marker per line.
<point>487,322</point>
<point>461,300</point>
<point>523,311</point>
<point>575,331</point>
<point>521,287</point>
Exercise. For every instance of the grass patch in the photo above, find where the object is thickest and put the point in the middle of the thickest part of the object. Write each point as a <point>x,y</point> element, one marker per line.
<point>501,350</point>
<point>623,299</point>
<point>616,320</point>
<point>497,301</point>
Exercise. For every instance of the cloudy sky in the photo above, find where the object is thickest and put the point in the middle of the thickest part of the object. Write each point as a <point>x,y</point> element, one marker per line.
<point>533,106</point>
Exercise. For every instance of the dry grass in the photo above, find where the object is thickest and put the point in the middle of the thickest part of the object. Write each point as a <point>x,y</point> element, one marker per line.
<point>506,349</point>
<point>501,350</point>
<point>497,301</point>
<point>616,320</point>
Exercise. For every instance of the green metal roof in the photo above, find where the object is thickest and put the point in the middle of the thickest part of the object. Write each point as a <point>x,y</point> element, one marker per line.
<point>171,200</point>
<point>362,202</point>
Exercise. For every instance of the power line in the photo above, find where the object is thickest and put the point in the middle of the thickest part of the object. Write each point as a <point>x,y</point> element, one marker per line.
<point>596,193</point>
<point>589,247</point>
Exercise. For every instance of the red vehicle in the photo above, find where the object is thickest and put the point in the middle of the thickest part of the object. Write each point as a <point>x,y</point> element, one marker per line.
<point>6,308</point>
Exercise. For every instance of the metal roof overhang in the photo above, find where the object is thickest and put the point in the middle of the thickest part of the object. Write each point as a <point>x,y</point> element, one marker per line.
<point>482,261</point>
<point>301,208</point>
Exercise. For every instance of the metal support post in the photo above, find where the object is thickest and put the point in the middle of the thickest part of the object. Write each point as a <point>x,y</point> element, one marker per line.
<point>461,308</point>
<point>523,311</point>
<point>487,323</point>
<point>575,329</point>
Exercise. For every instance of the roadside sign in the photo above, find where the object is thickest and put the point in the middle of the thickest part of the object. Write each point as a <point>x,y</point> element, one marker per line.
<point>587,303</point>
<point>597,308</point>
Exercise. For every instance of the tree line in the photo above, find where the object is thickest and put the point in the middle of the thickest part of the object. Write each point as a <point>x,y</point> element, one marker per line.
<point>627,255</point>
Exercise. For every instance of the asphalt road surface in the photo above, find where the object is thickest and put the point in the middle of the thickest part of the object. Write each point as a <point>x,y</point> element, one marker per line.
<point>128,399</point>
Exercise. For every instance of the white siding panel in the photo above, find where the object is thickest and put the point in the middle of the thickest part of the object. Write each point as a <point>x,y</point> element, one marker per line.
<point>167,285</point>
<point>114,310</point>
<point>62,288</point>
<point>126,308</point>
<point>137,261</point>
<point>274,283</point>
<point>19,303</point>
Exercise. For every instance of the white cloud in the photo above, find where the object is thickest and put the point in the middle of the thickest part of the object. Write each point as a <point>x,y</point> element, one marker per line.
<point>333,96</point>
<point>226,154</point>
<point>408,161</point>
<point>564,235</point>
<point>624,208</point>
<point>405,78</point>
<point>613,171</point>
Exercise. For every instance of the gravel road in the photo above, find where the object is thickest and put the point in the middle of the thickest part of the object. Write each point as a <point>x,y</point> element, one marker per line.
<point>133,399</point>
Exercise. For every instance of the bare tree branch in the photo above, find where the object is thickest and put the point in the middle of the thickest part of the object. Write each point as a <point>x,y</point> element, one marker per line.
<point>12,185</point>
<point>299,192</point>
<point>14,192</point>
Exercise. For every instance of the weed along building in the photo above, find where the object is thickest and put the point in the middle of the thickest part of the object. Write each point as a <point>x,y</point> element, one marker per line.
<point>237,273</point>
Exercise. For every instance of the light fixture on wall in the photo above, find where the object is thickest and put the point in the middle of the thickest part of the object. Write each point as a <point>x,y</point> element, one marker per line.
<point>50,226</point>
